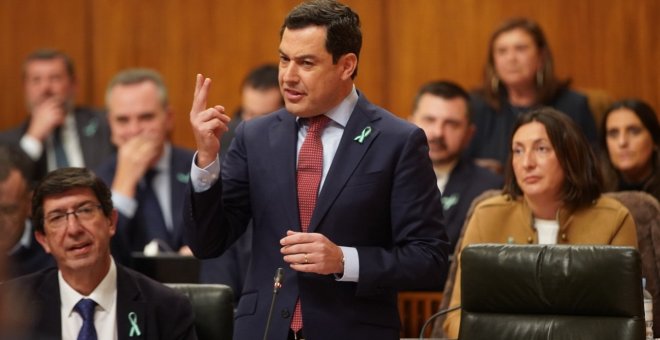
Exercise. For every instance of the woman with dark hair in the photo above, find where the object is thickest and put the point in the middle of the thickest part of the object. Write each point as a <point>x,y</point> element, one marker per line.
<point>630,134</point>
<point>551,196</point>
<point>519,76</point>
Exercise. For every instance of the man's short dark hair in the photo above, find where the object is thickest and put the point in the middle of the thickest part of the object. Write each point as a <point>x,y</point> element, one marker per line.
<point>63,180</point>
<point>445,90</point>
<point>263,77</point>
<point>13,158</point>
<point>51,54</point>
<point>343,26</point>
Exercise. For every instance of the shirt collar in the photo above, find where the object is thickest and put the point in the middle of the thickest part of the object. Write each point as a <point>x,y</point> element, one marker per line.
<point>163,165</point>
<point>342,112</point>
<point>25,240</point>
<point>444,169</point>
<point>105,294</point>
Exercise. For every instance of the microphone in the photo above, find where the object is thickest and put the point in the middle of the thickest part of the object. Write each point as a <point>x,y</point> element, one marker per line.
<point>433,317</point>
<point>277,284</point>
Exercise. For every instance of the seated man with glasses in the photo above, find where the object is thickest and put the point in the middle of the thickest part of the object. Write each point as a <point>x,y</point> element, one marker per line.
<point>89,296</point>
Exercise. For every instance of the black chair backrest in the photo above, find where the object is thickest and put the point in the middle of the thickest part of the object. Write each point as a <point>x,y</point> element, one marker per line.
<point>551,292</point>
<point>213,308</point>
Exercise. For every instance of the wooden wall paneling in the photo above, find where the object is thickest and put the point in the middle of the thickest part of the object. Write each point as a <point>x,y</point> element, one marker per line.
<point>441,40</point>
<point>26,25</point>
<point>372,72</point>
<point>222,40</point>
<point>610,45</point>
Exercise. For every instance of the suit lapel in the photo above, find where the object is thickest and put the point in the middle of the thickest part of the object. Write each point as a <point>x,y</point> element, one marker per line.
<point>179,176</point>
<point>86,128</point>
<point>283,136</point>
<point>349,154</point>
<point>49,304</point>
<point>130,306</point>
<point>455,186</point>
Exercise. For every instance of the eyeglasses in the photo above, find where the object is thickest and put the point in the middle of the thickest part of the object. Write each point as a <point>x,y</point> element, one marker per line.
<point>84,213</point>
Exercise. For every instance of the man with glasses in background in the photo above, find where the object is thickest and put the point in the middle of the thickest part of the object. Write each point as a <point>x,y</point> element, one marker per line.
<point>88,294</point>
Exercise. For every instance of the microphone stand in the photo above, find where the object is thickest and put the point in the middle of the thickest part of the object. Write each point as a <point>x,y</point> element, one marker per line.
<point>277,284</point>
<point>433,317</point>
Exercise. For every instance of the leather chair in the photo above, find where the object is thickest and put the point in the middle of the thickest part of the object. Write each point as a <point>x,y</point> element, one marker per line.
<point>213,308</point>
<point>551,292</point>
<point>645,210</point>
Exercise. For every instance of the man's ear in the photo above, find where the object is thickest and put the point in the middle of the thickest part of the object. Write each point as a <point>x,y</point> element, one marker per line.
<point>472,129</point>
<point>348,63</point>
<point>41,238</point>
<point>114,218</point>
<point>170,121</point>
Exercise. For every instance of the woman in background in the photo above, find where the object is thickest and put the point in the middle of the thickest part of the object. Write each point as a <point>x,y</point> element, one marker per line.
<point>519,76</point>
<point>630,134</point>
<point>551,196</point>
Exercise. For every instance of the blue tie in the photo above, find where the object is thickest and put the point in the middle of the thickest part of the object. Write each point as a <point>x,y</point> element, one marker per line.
<point>149,213</point>
<point>58,146</point>
<point>85,307</point>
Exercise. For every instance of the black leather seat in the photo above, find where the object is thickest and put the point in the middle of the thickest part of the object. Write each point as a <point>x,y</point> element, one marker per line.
<point>551,292</point>
<point>213,308</point>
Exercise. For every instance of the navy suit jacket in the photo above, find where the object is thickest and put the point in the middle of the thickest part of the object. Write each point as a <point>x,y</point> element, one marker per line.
<point>379,197</point>
<point>161,312</point>
<point>466,181</point>
<point>27,260</point>
<point>93,132</point>
<point>130,235</point>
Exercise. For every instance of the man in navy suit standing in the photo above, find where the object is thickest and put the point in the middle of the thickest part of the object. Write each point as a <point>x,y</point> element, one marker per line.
<point>341,192</point>
<point>148,175</point>
<point>88,295</point>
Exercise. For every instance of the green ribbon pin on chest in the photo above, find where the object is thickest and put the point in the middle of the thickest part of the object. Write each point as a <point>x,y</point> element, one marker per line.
<point>365,132</point>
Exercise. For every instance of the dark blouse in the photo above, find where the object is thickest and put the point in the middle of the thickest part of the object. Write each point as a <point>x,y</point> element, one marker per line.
<point>491,139</point>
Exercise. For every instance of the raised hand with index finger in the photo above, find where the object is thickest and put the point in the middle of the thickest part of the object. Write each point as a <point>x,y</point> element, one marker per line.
<point>208,123</point>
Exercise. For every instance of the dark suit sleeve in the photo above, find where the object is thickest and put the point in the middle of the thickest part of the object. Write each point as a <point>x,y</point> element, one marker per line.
<point>183,322</point>
<point>420,247</point>
<point>120,244</point>
<point>210,226</point>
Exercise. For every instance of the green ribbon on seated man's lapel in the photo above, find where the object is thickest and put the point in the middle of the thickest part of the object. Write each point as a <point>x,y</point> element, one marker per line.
<point>135,329</point>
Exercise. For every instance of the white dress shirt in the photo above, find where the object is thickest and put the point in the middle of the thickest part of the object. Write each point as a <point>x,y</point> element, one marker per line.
<point>105,315</point>
<point>25,240</point>
<point>546,230</point>
<point>203,179</point>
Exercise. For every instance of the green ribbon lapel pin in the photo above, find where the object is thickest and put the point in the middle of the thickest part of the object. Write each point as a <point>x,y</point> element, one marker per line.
<point>365,132</point>
<point>182,177</point>
<point>90,129</point>
<point>135,329</point>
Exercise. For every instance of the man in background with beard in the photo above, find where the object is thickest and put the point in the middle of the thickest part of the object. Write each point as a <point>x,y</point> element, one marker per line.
<point>441,109</point>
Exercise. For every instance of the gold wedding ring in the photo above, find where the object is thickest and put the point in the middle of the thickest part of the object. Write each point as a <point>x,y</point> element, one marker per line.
<point>306,262</point>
